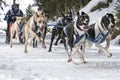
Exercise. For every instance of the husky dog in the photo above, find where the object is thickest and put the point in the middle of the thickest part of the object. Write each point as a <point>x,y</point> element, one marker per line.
<point>100,31</point>
<point>75,35</point>
<point>58,29</point>
<point>35,22</point>
<point>43,31</point>
<point>16,29</point>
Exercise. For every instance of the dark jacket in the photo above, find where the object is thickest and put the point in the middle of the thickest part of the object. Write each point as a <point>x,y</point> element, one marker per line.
<point>11,16</point>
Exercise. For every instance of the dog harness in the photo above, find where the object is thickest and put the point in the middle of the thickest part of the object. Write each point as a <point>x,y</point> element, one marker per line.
<point>99,39</point>
<point>20,28</point>
<point>78,37</point>
<point>101,36</point>
<point>36,27</point>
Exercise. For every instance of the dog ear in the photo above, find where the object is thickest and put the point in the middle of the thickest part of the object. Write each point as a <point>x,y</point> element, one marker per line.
<point>83,13</point>
<point>62,14</point>
<point>37,14</point>
<point>23,18</point>
<point>43,14</point>
<point>78,13</point>
<point>109,15</point>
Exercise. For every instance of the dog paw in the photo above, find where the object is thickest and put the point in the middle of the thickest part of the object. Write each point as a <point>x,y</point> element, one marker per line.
<point>30,44</point>
<point>100,52</point>
<point>10,46</point>
<point>74,51</point>
<point>41,40</point>
<point>83,62</point>
<point>69,60</point>
<point>18,43</point>
<point>61,41</point>
<point>25,51</point>
<point>44,47</point>
<point>110,55</point>
<point>75,63</point>
<point>55,44</point>
<point>49,50</point>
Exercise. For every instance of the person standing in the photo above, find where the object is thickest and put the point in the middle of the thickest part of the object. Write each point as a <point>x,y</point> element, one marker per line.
<point>10,17</point>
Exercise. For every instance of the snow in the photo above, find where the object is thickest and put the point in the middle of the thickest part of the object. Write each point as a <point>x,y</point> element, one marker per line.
<point>94,16</point>
<point>39,64</point>
<point>23,5</point>
<point>3,24</point>
<point>1,31</point>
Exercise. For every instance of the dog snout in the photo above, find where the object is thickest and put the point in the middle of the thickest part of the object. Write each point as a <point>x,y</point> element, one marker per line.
<point>21,23</point>
<point>112,26</point>
<point>84,23</point>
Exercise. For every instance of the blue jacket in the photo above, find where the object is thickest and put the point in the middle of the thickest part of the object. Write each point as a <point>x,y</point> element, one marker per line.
<point>11,16</point>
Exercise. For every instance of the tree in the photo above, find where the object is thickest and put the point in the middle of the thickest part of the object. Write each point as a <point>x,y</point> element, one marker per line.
<point>117,13</point>
<point>101,4</point>
<point>84,2</point>
<point>2,2</point>
<point>55,7</point>
<point>29,12</point>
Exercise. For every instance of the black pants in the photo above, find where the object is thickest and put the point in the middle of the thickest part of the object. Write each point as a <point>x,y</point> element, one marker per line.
<point>8,33</point>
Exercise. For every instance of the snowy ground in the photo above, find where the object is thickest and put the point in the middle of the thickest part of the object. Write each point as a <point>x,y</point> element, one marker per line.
<point>39,64</point>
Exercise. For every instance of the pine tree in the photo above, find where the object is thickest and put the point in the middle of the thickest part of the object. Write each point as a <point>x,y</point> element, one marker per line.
<point>29,12</point>
<point>2,2</point>
<point>117,13</point>
<point>55,7</point>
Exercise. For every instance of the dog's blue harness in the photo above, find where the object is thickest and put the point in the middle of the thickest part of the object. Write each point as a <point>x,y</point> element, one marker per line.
<point>36,27</point>
<point>99,39</point>
<point>51,24</point>
<point>78,37</point>
<point>20,28</point>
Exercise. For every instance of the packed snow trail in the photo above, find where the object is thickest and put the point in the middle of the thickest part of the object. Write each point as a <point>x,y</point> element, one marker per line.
<point>39,64</point>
